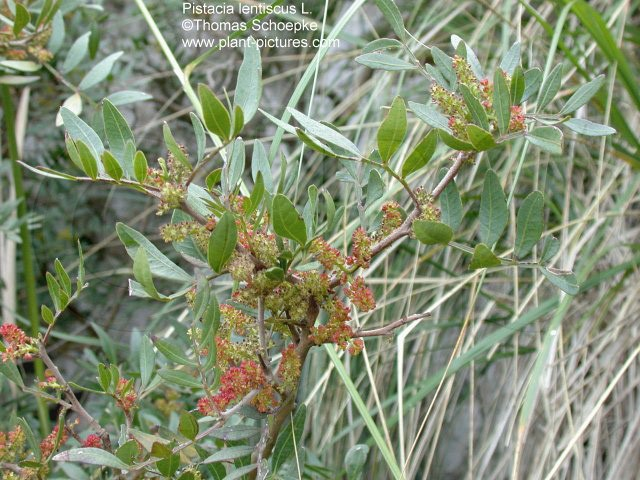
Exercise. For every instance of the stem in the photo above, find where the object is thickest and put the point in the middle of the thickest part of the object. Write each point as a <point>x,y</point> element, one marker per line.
<point>76,406</point>
<point>25,245</point>
<point>388,329</point>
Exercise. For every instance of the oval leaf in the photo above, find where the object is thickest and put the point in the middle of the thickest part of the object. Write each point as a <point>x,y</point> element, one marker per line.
<point>287,222</point>
<point>222,242</point>
<point>215,115</point>
<point>483,257</point>
<point>529,223</point>
<point>493,209</point>
<point>432,233</point>
<point>393,130</point>
<point>420,155</point>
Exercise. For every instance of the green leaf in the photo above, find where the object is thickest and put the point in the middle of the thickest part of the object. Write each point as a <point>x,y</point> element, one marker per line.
<point>142,273</point>
<point>201,139</point>
<point>257,194</point>
<point>240,472</point>
<point>289,437</point>
<point>147,360</point>
<point>483,257</point>
<point>79,130</point>
<point>89,162</point>
<point>173,352</point>
<point>236,163</point>
<point>99,72</point>
<point>11,372</point>
<point>230,453</point>
<point>381,44</point>
<point>47,314</point>
<point>238,121</point>
<point>287,222</point>
<point>432,233</point>
<point>355,460</point>
<point>111,166</point>
<point>116,129</point>
<point>450,203</point>
<point>140,166</point>
<point>232,433</point>
<point>173,146</point>
<point>178,377</point>
<point>128,451</point>
<point>188,425</point>
<point>589,128</point>
<point>249,84</point>
<point>214,178</point>
<point>421,154</point>
<point>549,250</point>
<point>91,456</point>
<point>547,138</point>
<point>392,130</point>
<point>582,95</point>
<point>215,115</point>
<point>222,242</point>
<point>455,142</point>
<point>104,377</point>
<point>478,113</point>
<point>55,292</point>
<point>315,144</point>
<point>126,97</point>
<point>529,223</point>
<point>564,280</point>
<point>324,133</point>
<point>63,277</point>
<point>517,87</point>
<point>532,79</point>
<point>384,61</point>
<point>21,20</point>
<point>444,64</point>
<point>480,138</point>
<point>169,465</point>
<point>391,12</point>
<point>76,53</point>
<point>160,265</point>
<point>511,60</point>
<point>375,188</point>
<point>493,209</point>
<point>260,164</point>
<point>549,88</point>
<point>429,115</point>
<point>501,101</point>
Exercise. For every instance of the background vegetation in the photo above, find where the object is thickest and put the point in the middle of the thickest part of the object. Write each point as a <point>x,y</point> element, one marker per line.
<point>509,377</point>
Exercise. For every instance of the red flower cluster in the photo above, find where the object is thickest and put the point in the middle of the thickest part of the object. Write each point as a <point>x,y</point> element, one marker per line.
<point>11,444</point>
<point>361,252</point>
<point>360,295</point>
<point>289,368</point>
<point>18,344</point>
<point>125,396</point>
<point>92,441</point>
<point>48,444</point>
<point>391,218</point>
<point>235,383</point>
<point>516,124</point>
<point>336,330</point>
<point>329,257</point>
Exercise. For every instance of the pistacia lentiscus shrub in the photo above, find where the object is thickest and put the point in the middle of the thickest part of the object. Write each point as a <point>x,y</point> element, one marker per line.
<point>293,290</point>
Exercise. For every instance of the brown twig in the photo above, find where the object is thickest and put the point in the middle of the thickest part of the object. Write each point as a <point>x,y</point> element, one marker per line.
<point>76,406</point>
<point>388,329</point>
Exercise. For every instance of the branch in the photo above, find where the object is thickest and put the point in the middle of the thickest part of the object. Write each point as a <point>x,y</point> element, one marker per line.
<point>75,403</point>
<point>225,415</point>
<point>388,329</point>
